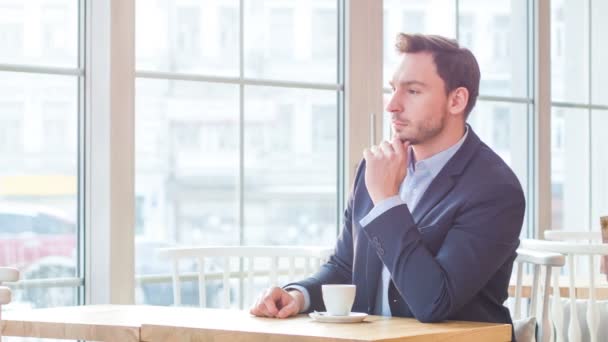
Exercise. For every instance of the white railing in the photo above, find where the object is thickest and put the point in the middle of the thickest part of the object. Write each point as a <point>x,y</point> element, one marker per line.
<point>46,283</point>
<point>313,258</point>
<point>561,235</point>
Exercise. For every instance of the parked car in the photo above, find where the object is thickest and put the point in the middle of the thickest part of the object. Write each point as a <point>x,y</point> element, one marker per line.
<point>42,243</point>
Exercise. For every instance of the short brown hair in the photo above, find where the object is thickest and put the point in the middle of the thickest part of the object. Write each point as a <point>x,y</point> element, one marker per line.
<point>456,66</point>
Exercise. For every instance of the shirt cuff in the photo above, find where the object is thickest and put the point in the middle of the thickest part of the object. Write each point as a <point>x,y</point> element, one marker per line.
<point>304,292</point>
<point>380,208</point>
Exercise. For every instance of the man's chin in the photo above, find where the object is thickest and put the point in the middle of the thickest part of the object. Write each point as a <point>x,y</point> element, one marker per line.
<point>405,137</point>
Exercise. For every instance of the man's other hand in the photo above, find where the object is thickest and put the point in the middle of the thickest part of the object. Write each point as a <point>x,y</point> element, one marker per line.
<point>276,302</point>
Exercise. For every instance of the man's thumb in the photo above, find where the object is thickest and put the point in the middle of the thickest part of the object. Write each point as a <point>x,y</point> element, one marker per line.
<point>288,309</point>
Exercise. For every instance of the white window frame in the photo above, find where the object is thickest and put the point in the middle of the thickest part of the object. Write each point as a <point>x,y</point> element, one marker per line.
<point>109,195</point>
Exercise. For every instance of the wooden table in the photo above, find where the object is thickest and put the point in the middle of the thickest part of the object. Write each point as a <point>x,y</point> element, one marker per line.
<point>154,323</point>
<point>94,323</point>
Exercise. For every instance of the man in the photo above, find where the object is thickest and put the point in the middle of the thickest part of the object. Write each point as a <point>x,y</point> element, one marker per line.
<point>434,217</point>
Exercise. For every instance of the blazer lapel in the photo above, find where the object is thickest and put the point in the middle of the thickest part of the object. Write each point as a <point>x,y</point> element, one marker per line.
<point>439,187</point>
<point>446,179</point>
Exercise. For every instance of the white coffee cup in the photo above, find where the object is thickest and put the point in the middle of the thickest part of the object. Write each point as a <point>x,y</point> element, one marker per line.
<point>338,298</point>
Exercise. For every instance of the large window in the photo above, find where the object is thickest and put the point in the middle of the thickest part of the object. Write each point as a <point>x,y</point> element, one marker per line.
<point>497,34</point>
<point>579,117</point>
<point>237,138</point>
<point>40,86</point>
<point>240,123</point>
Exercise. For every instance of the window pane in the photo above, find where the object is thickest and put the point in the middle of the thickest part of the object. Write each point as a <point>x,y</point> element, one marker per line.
<point>570,51</point>
<point>38,183</point>
<point>504,126</point>
<point>199,37</point>
<point>291,40</point>
<point>186,172</point>
<point>599,167</point>
<point>187,150</point>
<point>43,32</point>
<point>414,16</point>
<point>570,168</point>
<point>599,74</point>
<point>496,33</point>
<point>290,166</point>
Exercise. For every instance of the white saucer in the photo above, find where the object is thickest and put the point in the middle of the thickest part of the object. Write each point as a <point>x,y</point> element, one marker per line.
<point>353,317</point>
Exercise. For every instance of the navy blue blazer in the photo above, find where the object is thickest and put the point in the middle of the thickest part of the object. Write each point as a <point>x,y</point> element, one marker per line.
<point>449,259</point>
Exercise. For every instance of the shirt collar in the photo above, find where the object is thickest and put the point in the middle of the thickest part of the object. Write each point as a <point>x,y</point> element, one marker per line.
<point>436,162</point>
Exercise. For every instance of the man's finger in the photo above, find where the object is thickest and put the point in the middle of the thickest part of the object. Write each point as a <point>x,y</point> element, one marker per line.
<point>387,148</point>
<point>289,309</point>
<point>270,301</point>
<point>397,145</point>
<point>375,151</point>
<point>259,309</point>
<point>254,308</point>
<point>367,154</point>
<point>263,312</point>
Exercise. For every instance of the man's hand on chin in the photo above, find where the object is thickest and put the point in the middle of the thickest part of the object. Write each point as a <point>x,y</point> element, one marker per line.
<point>385,168</point>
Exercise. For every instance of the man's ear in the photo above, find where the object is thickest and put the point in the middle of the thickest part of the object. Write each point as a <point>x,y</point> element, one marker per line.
<point>457,100</point>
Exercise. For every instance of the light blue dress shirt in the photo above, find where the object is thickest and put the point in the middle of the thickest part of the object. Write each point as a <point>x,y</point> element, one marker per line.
<point>419,176</point>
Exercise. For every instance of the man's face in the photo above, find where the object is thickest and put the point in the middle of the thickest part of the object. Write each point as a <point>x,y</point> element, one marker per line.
<point>419,102</point>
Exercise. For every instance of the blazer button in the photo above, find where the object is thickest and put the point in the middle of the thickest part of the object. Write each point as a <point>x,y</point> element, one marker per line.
<point>380,250</point>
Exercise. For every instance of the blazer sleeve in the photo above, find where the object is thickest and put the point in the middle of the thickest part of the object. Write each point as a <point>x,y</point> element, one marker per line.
<point>339,267</point>
<point>484,235</point>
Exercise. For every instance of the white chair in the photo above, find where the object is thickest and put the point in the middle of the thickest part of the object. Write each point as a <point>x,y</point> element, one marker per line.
<point>313,258</point>
<point>542,264</point>
<point>7,274</point>
<point>561,235</point>
<point>572,250</point>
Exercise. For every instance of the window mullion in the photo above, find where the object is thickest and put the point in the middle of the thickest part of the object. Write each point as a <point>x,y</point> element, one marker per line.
<point>363,79</point>
<point>542,117</point>
<point>110,162</point>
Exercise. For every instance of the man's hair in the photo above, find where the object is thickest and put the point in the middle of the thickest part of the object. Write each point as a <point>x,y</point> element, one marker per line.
<point>456,66</point>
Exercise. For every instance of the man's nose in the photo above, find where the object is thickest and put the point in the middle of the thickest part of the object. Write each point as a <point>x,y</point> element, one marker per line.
<point>393,105</point>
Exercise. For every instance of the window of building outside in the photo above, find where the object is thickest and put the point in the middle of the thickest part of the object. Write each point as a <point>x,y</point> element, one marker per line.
<point>243,151</point>
<point>40,76</point>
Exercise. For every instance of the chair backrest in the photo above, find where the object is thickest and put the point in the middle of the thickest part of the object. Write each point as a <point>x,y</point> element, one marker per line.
<point>542,264</point>
<point>572,250</point>
<point>7,274</point>
<point>561,235</point>
<point>312,258</point>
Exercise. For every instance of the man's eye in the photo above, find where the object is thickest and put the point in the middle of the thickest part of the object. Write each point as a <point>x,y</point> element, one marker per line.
<point>413,92</point>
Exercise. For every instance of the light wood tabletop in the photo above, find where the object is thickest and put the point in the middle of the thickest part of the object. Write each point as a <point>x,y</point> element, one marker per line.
<point>93,323</point>
<point>155,323</point>
<point>224,325</point>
